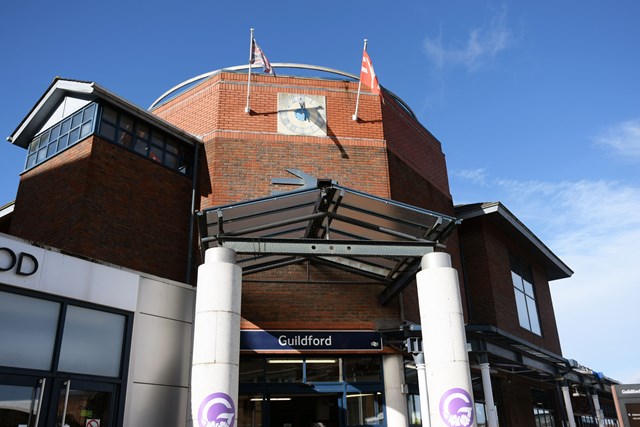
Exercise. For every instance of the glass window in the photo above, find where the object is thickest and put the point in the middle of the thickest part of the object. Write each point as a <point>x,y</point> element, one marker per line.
<point>323,370</point>
<point>92,342</point>
<point>524,295</point>
<point>61,135</point>
<point>284,370</point>
<point>363,369</point>
<point>144,140</point>
<point>251,370</point>
<point>364,409</point>
<point>27,331</point>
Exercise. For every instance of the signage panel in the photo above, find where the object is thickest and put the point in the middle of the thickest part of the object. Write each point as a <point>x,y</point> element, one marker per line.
<point>288,340</point>
<point>627,400</point>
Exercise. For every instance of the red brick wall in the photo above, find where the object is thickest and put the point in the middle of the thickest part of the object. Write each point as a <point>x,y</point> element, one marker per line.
<point>486,250</point>
<point>100,201</point>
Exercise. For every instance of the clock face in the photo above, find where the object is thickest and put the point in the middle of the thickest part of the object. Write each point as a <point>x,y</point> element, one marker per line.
<point>300,114</point>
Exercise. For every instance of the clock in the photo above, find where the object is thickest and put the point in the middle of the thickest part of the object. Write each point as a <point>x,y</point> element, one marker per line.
<point>300,114</point>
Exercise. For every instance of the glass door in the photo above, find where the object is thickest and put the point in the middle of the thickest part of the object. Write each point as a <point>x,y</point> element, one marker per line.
<point>84,404</point>
<point>21,400</point>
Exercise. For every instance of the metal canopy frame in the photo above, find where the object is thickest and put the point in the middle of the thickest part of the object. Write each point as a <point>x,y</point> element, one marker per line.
<point>328,224</point>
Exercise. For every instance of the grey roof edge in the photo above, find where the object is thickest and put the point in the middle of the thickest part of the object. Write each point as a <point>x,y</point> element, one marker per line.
<point>475,210</point>
<point>61,86</point>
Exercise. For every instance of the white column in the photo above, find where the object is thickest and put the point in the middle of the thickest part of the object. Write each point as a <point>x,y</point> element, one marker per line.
<point>444,343</point>
<point>599,412</point>
<point>492,416</point>
<point>394,396</point>
<point>422,388</point>
<point>568,406</point>
<point>216,340</point>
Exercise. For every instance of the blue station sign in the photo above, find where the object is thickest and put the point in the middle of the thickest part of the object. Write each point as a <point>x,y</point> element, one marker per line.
<point>287,340</point>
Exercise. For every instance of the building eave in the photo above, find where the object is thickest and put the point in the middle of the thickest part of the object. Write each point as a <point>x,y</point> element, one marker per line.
<point>556,268</point>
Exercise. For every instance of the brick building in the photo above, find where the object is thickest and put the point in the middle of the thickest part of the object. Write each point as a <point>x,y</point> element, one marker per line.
<point>117,204</point>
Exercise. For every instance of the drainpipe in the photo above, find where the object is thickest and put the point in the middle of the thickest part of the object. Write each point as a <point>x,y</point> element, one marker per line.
<point>192,218</point>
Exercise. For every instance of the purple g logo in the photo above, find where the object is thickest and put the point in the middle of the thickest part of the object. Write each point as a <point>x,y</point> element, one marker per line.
<point>456,408</point>
<point>217,410</point>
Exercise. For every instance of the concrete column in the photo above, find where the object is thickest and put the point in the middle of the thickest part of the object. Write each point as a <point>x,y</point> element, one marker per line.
<point>568,406</point>
<point>395,398</point>
<point>418,358</point>
<point>444,343</point>
<point>596,407</point>
<point>492,416</point>
<point>216,340</point>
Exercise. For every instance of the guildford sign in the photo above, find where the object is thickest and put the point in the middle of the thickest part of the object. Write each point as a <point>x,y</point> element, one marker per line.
<point>287,340</point>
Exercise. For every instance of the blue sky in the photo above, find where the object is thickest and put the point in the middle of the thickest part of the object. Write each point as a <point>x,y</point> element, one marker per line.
<point>537,105</point>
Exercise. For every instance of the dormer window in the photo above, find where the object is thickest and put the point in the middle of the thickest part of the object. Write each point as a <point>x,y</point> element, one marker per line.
<point>525,296</point>
<point>61,135</point>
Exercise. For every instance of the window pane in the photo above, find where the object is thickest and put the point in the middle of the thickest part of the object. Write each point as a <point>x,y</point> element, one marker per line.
<point>171,147</point>
<point>88,113</point>
<point>366,369</point>
<point>517,281</point>
<point>55,132</point>
<point>27,330</point>
<point>42,154</point>
<point>533,316</point>
<point>171,161</point>
<point>364,409</point>
<point>76,120</point>
<point>528,288</point>
<point>66,125</point>
<point>124,138</point>
<point>31,160</point>
<point>92,342</point>
<point>251,370</point>
<point>142,131</point>
<point>323,370</point>
<point>44,139</point>
<point>34,144</point>
<point>156,139</point>
<point>108,131</point>
<point>109,115</point>
<point>62,142</point>
<point>156,154</point>
<point>521,304</point>
<point>140,146</point>
<point>284,371</point>
<point>86,129</point>
<point>126,123</point>
<point>52,149</point>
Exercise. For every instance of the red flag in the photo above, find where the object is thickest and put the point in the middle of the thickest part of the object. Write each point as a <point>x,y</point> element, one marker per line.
<point>367,75</point>
<point>259,59</point>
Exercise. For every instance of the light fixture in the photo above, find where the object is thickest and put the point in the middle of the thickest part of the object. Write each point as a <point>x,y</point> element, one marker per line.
<point>272,399</point>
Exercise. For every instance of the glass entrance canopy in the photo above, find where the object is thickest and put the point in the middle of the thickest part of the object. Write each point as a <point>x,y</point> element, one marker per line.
<point>328,224</point>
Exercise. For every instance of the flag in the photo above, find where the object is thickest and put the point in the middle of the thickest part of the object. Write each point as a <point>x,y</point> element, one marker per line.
<point>367,75</point>
<point>259,59</point>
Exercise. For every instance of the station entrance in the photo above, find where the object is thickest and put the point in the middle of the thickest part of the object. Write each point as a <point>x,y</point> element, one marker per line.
<point>311,392</point>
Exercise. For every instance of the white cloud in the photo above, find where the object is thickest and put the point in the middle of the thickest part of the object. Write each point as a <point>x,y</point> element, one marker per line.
<point>623,138</point>
<point>476,176</point>
<point>482,44</point>
<point>593,226</point>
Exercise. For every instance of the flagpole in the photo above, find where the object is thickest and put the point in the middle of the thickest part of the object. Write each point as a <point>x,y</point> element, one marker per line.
<point>247,109</point>
<point>355,115</point>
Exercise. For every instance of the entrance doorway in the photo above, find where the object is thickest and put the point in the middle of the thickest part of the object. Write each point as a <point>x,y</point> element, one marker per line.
<point>32,401</point>
<point>304,411</point>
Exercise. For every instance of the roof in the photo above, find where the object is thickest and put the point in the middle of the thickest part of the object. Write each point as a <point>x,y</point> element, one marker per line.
<point>60,88</point>
<point>325,223</point>
<point>503,218</point>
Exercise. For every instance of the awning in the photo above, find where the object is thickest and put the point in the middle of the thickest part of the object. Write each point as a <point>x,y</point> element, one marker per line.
<point>328,224</point>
